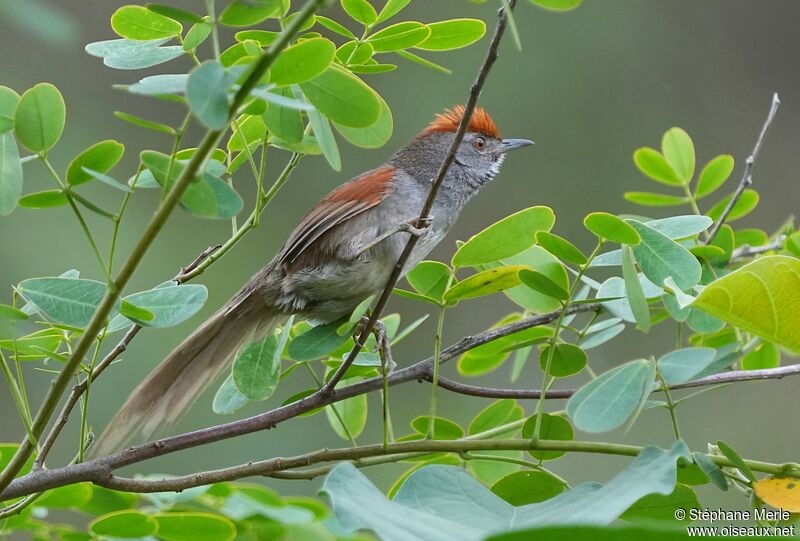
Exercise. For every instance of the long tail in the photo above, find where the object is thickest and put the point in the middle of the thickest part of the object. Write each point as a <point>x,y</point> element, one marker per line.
<point>177,382</point>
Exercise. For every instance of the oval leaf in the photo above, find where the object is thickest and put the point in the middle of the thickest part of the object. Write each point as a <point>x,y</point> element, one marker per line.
<point>39,118</point>
<point>485,283</point>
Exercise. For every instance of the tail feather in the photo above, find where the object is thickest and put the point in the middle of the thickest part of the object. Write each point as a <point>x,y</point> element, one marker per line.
<point>178,381</point>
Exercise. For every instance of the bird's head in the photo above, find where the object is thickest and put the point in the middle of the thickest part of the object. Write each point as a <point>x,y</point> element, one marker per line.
<point>479,156</point>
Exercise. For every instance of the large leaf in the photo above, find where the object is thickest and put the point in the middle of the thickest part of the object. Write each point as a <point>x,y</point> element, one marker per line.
<point>678,149</point>
<point>191,526</point>
<point>485,283</point>
<point>660,257</point>
<point>8,106</point>
<point>684,364</point>
<point>545,263</point>
<point>441,503</point>
<point>351,411</point>
<point>762,297</point>
<point>129,54</point>
<point>247,13</point>
<point>138,22</point>
<point>10,173</point>
<point>373,136</point>
<point>607,401</point>
<point>505,238</point>
<point>453,34</point>
<point>170,305</point>
<point>100,157</point>
<point>257,367</point>
<point>71,301</point>
<point>207,92</point>
<point>343,97</point>
<point>302,61</point>
<point>399,36</point>
<point>40,116</point>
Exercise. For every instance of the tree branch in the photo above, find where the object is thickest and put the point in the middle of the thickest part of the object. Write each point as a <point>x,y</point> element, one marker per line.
<point>748,251</point>
<point>747,178</point>
<point>397,271</point>
<point>195,165</point>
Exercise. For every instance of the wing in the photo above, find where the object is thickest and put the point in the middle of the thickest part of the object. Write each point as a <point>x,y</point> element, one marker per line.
<point>337,207</point>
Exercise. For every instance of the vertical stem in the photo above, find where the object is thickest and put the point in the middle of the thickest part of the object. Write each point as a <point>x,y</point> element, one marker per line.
<point>333,407</point>
<point>437,353</point>
<point>547,381</point>
<point>670,404</point>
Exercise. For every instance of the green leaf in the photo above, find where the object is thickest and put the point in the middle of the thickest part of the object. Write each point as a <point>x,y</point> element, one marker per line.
<point>248,13</point>
<point>684,364</point>
<point>43,200</point>
<point>424,62</point>
<point>137,22</point>
<point>530,486</point>
<point>567,360</point>
<point>8,106</point>
<point>302,61</point>
<point>207,92</point>
<point>391,8</point>
<point>649,199</point>
<point>485,283</point>
<point>100,157</point>
<point>132,54</point>
<point>208,197</point>
<point>607,226</point>
<point>678,149</point>
<point>66,497</point>
<point>39,118</point>
<point>505,238</point>
<point>606,402</point>
<point>34,344</point>
<point>552,427</point>
<point>429,278</point>
<point>634,291</point>
<point>144,123</point>
<point>196,35</point>
<point>711,469</point>
<point>284,122</point>
<point>321,127</point>
<point>256,369</point>
<point>490,356</point>
<point>545,263</point>
<point>71,301</point>
<point>133,312</point>
<point>262,37</point>
<point>558,5</point>
<point>714,175</point>
<point>156,85</point>
<point>169,305</point>
<point>560,247</point>
<point>764,355</point>
<point>441,503</point>
<point>653,164</point>
<point>744,206</point>
<point>399,36</point>
<point>191,526</point>
<point>361,11</point>
<point>175,13</point>
<point>492,416</point>
<point>317,342</point>
<point>373,136</point>
<point>335,27</point>
<point>106,501</point>
<point>453,34</point>
<point>601,337</point>
<point>660,257</point>
<point>737,460</point>
<point>542,284</point>
<point>762,297</point>
<point>10,173</point>
<point>343,97</point>
<point>124,524</point>
<point>353,412</point>
<point>228,398</point>
<point>9,313</point>
<point>661,508</point>
<point>443,429</point>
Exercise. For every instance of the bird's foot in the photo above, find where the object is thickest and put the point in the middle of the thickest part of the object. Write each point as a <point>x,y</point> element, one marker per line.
<point>409,227</point>
<point>382,345</point>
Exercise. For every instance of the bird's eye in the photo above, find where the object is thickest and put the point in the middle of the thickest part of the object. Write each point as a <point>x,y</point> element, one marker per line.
<point>479,143</point>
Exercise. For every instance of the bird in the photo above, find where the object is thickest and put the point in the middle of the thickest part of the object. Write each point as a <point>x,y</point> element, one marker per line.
<point>341,252</point>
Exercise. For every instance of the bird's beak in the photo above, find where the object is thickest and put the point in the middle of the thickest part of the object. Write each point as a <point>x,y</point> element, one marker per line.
<point>512,144</point>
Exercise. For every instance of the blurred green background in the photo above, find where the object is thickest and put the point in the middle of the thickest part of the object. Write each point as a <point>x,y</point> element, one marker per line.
<point>589,87</point>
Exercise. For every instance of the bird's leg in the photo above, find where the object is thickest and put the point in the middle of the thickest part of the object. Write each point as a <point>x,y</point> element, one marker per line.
<point>404,227</point>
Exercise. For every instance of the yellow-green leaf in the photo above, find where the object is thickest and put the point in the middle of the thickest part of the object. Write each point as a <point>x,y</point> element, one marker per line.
<point>762,297</point>
<point>485,283</point>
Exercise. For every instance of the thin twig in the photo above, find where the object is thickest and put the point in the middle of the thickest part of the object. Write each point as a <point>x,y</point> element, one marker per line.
<point>153,228</point>
<point>748,251</point>
<point>397,271</point>
<point>747,175</point>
